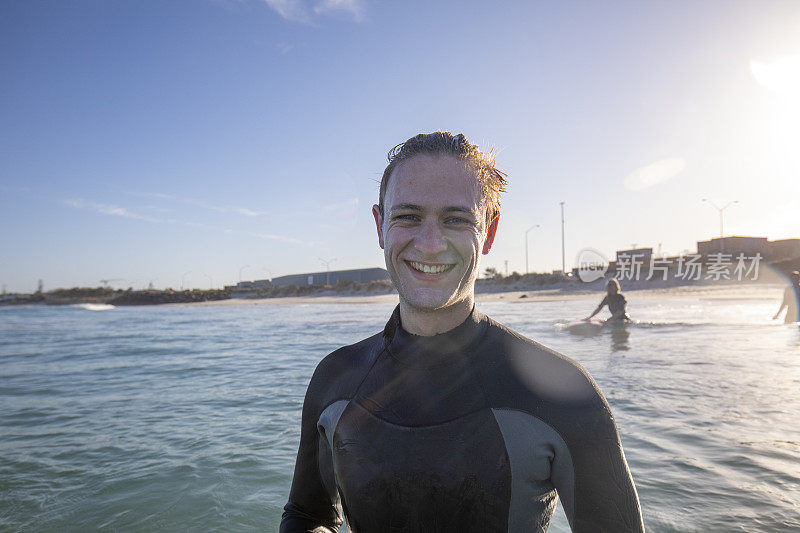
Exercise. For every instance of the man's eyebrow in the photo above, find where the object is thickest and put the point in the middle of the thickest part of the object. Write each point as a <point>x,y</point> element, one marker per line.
<point>459,209</point>
<point>449,209</point>
<point>410,207</point>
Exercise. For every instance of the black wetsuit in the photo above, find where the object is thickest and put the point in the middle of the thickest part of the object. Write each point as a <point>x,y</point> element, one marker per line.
<point>471,430</point>
<point>616,304</point>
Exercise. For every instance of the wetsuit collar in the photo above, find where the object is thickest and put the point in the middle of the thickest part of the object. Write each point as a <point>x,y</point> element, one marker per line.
<point>436,349</point>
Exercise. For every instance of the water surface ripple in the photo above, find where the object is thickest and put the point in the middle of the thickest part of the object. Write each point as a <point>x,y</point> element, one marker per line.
<point>187,418</point>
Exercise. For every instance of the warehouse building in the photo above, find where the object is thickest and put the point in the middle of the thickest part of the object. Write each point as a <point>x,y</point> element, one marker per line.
<point>332,277</point>
<point>770,251</point>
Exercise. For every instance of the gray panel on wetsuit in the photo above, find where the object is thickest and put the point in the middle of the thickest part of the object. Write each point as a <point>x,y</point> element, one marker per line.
<point>539,457</point>
<point>329,418</point>
<point>326,425</point>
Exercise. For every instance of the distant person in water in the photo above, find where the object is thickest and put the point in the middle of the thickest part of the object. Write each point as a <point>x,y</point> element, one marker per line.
<point>615,301</point>
<point>791,299</point>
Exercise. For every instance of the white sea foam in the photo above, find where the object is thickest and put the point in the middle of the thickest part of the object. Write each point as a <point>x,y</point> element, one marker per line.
<point>95,307</point>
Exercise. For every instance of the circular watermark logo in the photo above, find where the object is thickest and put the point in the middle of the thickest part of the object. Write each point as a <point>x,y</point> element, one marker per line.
<point>592,264</point>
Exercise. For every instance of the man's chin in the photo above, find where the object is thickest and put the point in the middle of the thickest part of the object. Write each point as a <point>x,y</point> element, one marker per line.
<point>428,300</point>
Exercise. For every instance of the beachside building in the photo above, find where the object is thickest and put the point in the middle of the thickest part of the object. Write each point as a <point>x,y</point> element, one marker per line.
<point>634,259</point>
<point>771,251</point>
<point>642,263</point>
<point>784,249</point>
<point>641,254</point>
<point>360,275</point>
<point>248,289</point>
<point>734,245</point>
<point>257,284</point>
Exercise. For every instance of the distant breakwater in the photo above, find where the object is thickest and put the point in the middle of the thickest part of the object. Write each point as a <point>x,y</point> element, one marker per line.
<point>117,297</point>
<point>102,295</point>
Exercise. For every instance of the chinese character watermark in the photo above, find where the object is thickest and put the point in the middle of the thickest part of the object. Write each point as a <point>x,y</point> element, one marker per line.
<point>719,266</point>
<point>690,269</point>
<point>629,266</point>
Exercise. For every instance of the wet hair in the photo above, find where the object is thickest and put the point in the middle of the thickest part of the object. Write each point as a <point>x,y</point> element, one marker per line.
<point>614,282</point>
<point>491,180</point>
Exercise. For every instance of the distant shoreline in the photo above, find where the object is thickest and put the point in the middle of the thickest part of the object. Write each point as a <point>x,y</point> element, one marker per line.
<point>722,292</point>
<point>486,291</point>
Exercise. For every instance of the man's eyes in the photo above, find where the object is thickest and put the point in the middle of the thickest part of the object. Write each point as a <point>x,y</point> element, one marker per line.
<point>451,220</point>
<point>458,220</point>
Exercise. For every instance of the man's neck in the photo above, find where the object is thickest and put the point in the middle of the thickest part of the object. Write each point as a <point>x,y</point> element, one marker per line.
<point>428,323</point>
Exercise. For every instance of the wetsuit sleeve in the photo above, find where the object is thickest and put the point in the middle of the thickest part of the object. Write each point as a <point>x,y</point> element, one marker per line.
<point>592,478</point>
<point>604,302</point>
<point>577,437</point>
<point>311,507</point>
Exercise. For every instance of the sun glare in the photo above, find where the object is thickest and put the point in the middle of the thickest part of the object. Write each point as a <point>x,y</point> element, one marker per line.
<point>781,132</point>
<point>781,75</point>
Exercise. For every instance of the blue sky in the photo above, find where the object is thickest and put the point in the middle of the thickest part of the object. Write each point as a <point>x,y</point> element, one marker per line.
<point>193,141</point>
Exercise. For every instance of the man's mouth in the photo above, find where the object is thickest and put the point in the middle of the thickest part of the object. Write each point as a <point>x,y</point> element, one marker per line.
<point>430,268</point>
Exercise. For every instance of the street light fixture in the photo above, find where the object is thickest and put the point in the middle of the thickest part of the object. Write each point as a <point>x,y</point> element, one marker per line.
<point>526,245</point>
<point>563,254</point>
<point>328,269</point>
<point>240,272</point>
<point>720,209</point>
<point>183,276</point>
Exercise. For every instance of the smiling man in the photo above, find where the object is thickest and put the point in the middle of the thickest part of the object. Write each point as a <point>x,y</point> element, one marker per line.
<point>446,420</point>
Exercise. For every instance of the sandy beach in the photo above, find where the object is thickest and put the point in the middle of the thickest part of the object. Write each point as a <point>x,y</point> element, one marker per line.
<point>721,292</point>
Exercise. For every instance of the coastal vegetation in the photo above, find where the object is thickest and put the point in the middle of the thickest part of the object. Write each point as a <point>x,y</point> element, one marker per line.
<point>107,295</point>
<point>492,281</point>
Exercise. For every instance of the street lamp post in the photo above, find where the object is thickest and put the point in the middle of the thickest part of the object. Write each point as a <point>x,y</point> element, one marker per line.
<point>563,256</point>
<point>183,277</point>
<point>526,246</point>
<point>328,269</point>
<point>240,272</point>
<point>720,209</point>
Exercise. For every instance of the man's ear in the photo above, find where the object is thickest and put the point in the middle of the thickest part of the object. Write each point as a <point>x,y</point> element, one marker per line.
<point>490,233</point>
<point>376,212</point>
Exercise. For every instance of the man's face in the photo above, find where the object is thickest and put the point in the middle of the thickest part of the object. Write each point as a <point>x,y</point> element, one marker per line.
<point>432,231</point>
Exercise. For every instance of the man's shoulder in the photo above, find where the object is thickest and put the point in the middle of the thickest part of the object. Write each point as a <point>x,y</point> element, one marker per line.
<point>528,368</point>
<point>352,355</point>
<point>338,374</point>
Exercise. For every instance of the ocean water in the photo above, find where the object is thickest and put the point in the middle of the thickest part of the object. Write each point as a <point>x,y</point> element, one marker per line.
<point>187,418</point>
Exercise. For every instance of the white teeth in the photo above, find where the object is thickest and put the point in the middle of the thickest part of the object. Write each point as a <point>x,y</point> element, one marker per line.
<point>429,269</point>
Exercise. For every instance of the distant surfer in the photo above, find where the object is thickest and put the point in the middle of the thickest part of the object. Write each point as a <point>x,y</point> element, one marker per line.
<point>615,301</point>
<point>791,299</point>
<point>447,420</point>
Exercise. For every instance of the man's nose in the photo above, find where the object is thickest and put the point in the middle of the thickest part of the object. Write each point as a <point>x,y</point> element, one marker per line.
<point>430,239</point>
